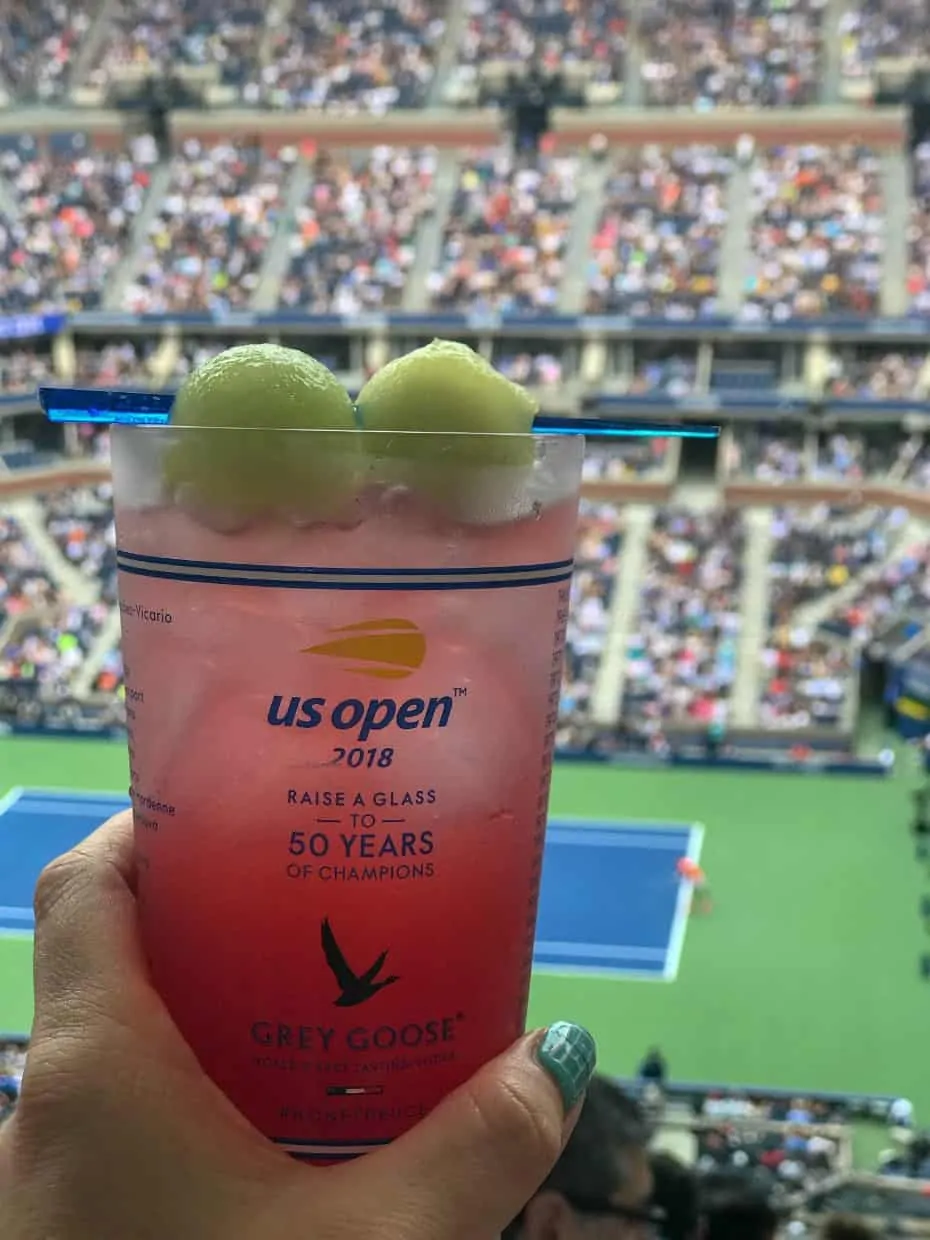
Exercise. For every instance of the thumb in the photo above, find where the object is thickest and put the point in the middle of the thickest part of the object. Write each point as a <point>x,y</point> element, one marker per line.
<point>470,1167</point>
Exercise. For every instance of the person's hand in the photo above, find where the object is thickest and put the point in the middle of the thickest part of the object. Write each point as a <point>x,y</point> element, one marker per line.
<point>120,1136</point>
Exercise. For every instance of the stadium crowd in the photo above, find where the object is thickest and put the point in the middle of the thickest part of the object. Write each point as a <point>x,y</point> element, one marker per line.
<point>702,54</point>
<point>676,376</point>
<point>817,234</point>
<point>766,454</point>
<point>888,376</point>
<point>346,55</point>
<point>872,30</point>
<point>144,38</point>
<point>593,32</point>
<point>38,43</point>
<point>599,545</point>
<point>503,244</point>
<point>656,250</point>
<point>681,656</point>
<point>115,364</point>
<point>918,233</point>
<point>23,369</point>
<point>342,55</point>
<point>353,241</point>
<point>205,246</point>
<point>902,588</point>
<point>817,241</point>
<point>75,210</point>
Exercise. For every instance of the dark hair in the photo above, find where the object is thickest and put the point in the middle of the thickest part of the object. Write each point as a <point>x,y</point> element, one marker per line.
<point>676,1193</point>
<point>736,1207</point>
<point>847,1227</point>
<point>591,1165</point>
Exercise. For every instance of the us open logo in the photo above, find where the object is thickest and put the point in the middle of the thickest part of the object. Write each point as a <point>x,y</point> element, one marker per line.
<point>390,649</point>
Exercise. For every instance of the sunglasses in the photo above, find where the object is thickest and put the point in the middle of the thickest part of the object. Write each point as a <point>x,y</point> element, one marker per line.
<point>651,1216</point>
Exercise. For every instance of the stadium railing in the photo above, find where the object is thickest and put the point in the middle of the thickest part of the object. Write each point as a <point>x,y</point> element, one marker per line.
<point>840,1106</point>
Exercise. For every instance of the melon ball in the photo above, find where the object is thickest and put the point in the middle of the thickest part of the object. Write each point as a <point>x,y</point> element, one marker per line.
<point>257,393</point>
<point>447,387</point>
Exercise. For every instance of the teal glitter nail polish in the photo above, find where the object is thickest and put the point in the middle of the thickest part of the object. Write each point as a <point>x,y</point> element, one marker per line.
<point>569,1054</point>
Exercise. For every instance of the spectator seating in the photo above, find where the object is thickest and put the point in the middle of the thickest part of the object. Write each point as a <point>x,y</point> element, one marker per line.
<point>600,537</point>
<point>873,30</point>
<point>657,246</point>
<point>80,520</point>
<point>820,549</point>
<point>93,441</point>
<point>206,245</point>
<point>759,53</point>
<point>194,351</point>
<point>817,233</point>
<point>851,456</point>
<point>765,454</point>
<point>675,376</point>
<point>902,589</point>
<point>114,364</point>
<point>816,551</point>
<point>681,658</point>
<point>45,637</point>
<point>24,582</point>
<point>38,42</point>
<point>348,55</point>
<point>109,680</point>
<point>530,369</point>
<point>807,680</point>
<point>23,369</point>
<point>503,245</point>
<point>146,37</point>
<point>792,1158</point>
<point>918,233</point>
<point>588,33</point>
<point>76,208</point>
<point>354,238</point>
<point>625,460</point>
<point>887,376</point>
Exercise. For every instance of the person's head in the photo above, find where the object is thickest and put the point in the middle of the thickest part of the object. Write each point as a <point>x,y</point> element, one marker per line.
<point>601,1187</point>
<point>675,1193</point>
<point>735,1207</point>
<point>847,1227</point>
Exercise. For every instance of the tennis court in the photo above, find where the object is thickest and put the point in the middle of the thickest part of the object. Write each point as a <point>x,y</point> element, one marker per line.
<point>611,901</point>
<point>805,975</point>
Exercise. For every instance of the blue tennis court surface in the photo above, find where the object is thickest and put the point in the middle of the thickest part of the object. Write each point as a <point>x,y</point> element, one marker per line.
<point>611,901</point>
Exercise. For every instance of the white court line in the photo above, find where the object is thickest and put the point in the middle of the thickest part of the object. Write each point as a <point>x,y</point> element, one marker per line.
<point>62,809</point>
<point>605,950</point>
<point>76,794</point>
<point>7,802</point>
<point>600,973</point>
<point>676,940</point>
<point>650,825</point>
<point>582,838</point>
<point>15,913</point>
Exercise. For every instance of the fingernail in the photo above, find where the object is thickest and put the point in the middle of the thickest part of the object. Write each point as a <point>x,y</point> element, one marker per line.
<point>569,1054</point>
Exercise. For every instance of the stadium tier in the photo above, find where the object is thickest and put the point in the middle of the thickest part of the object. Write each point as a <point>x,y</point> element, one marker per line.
<point>712,211</point>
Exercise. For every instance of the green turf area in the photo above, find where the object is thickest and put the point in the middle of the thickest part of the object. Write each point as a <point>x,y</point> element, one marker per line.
<point>805,974</point>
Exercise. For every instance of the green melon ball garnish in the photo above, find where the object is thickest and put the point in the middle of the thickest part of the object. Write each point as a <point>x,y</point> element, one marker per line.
<point>259,392</point>
<point>448,387</point>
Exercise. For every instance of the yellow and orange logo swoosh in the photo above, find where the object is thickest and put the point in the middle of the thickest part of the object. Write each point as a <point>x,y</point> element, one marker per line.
<point>389,649</point>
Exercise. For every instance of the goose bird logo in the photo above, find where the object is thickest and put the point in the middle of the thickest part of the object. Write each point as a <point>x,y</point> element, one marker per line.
<point>354,988</point>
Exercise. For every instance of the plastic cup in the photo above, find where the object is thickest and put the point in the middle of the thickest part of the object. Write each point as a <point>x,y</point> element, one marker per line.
<point>341,730</point>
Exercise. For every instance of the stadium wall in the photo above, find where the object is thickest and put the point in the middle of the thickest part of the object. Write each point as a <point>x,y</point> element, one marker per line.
<point>880,127</point>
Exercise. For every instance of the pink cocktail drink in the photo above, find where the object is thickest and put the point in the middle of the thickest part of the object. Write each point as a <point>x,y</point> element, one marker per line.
<point>341,739</point>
